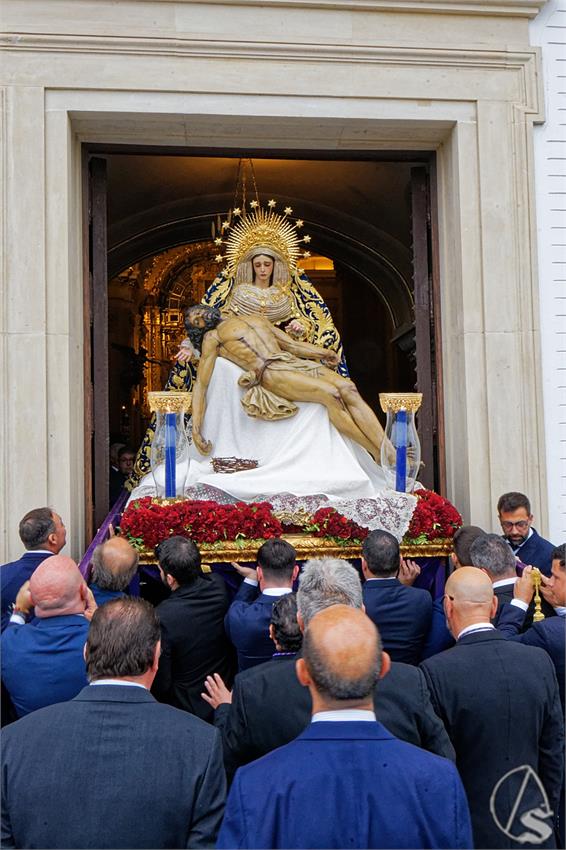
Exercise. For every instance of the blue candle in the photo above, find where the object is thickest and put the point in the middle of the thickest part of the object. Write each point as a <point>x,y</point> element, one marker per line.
<point>401,451</point>
<point>170,458</point>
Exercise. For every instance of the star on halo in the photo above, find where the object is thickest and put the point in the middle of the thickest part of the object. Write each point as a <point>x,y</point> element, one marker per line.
<point>254,204</point>
<point>219,258</point>
<point>306,254</point>
<point>288,210</point>
<point>225,225</point>
<point>218,241</point>
<point>306,239</point>
<point>299,222</point>
<point>271,203</point>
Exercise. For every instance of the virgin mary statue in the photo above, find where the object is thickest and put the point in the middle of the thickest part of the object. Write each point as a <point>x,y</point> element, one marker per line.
<point>261,276</point>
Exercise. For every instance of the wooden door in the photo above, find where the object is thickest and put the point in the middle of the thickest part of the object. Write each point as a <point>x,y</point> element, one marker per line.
<point>427,330</point>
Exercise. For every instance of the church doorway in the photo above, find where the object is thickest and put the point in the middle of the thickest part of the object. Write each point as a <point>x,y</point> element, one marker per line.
<point>151,253</point>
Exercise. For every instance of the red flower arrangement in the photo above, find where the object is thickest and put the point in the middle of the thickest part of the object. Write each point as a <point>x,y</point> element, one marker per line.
<point>327,522</point>
<point>145,522</point>
<point>434,518</point>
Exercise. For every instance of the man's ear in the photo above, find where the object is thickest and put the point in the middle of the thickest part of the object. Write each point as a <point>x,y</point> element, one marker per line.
<point>301,622</point>
<point>302,672</point>
<point>272,632</point>
<point>85,653</point>
<point>454,559</point>
<point>365,571</point>
<point>259,573</point>
<point>494,606</point>
<point>295,572</point>
<point>385,664</point>
<point>156,654</point>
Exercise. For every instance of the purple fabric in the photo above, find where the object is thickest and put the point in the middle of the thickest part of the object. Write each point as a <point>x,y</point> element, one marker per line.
<point>102,534</point>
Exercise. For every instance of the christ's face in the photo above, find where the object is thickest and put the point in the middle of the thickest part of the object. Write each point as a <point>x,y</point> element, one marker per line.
<point>263,269</point>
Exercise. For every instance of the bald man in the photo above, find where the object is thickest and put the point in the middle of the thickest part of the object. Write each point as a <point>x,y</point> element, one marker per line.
<point>114,564</point>
<point>345,781</point>
<point>500,704</point>
<point>42,661</point>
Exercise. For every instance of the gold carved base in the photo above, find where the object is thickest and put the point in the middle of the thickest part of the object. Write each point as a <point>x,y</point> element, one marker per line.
<point>305,546</point>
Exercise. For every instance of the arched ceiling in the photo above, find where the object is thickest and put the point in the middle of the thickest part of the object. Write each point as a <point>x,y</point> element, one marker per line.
<point>357,212</point>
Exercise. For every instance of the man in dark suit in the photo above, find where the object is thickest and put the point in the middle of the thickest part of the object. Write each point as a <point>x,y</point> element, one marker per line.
<point>345,781</point>
<point>249,615</point>
<point>119,476</point>
<point>268,707</point>
<point>114,565</point>
<point>500,704</point>
<point>514,510</point>
<point>401,613</point>
<point>439,638</point>
<point>193,640</point>
<point>42,661</point>
<point>549,634</point>
<point>113,768</point>
<point>43,534</point>
<point>493,555</point>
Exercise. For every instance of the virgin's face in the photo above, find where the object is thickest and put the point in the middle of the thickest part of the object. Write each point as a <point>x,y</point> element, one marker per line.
<point>263,269</point>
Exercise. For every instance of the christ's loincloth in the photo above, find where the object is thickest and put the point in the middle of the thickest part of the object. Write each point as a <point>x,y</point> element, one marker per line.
<point>264,404</point>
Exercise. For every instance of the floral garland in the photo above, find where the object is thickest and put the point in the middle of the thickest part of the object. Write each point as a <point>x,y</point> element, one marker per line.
<point>146,522</point>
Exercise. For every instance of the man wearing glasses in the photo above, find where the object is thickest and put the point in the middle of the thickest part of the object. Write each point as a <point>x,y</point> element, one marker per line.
<point>528,546</point>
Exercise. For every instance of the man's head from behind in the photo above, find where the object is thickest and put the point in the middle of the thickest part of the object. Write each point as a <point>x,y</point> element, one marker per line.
<point>42,528</point>
<point>284,629</point>
<point>179,560</point>
<point>514,511</point>
<point>324,582</point>
<point>57,588</point>
<point>462,543</point>
<point>468,599</point>
<point>380,555</point>
<point>123,641</point>
<point>276,564</point>
<point>342,659</point>
<point>492,554</point>
<point>114,564</point>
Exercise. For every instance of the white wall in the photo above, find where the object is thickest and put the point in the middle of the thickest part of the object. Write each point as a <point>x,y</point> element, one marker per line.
<point>549,31</point>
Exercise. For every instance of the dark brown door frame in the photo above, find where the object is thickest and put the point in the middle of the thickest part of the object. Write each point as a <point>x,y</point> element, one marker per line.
<point>96,345</point>
<point>427,303</point>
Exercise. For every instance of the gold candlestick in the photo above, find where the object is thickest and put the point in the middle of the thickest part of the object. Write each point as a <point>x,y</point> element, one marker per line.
<point>537,581</point>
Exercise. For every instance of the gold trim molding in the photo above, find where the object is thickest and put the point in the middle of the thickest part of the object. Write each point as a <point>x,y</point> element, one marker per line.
<point>169,402</point>
<point>306,547</point>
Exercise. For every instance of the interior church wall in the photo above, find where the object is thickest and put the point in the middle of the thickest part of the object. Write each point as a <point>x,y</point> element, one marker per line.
<point>459,78</point>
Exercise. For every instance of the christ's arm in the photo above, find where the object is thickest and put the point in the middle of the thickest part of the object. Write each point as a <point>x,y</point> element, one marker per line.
<point>305,349</point>
<point>209,354</point>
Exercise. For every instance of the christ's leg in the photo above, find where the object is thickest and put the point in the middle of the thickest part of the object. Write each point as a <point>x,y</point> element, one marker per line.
<point>300,386</point>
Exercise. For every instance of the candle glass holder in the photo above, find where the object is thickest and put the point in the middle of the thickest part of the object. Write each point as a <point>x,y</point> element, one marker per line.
<point>170,446</point>
<point>401,447</point>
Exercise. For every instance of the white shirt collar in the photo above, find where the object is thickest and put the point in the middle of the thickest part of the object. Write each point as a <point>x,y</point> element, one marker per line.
<point>380,578</point>
<point>119,682</point>
<point>343,714</point>
<point>38,552</point>
<point>504,581</point>
<point>476,627</point>
<point>276,591</point>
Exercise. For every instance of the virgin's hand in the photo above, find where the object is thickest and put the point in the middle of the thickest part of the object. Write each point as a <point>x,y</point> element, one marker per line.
<point>184,355</point>
<point>204,446</point>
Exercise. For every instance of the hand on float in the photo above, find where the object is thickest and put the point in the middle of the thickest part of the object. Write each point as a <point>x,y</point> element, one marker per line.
<point>91,605</point>
<point>408,572</point>
<point>23,601</point>
<point>216,691</point>
<point>524,587</point>
<point>295,327</point>
<point>245,572</point>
